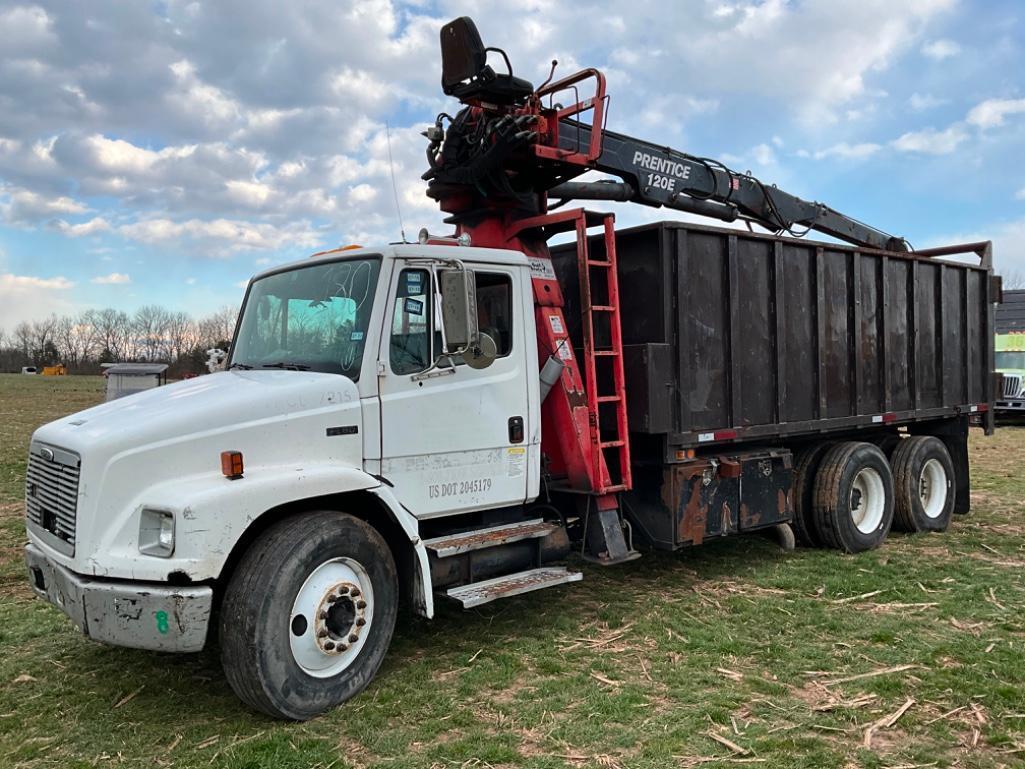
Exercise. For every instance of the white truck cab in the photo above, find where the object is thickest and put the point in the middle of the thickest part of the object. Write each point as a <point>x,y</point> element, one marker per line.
<point>368,393</point>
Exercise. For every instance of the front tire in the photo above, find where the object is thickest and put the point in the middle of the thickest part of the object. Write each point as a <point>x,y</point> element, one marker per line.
<point>308,614</point>
<point>853,497</point>
<point>923,477</point>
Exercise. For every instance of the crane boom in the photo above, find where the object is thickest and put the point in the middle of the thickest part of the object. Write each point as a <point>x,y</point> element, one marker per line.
<point>663,177</point>
<point>508,151</point>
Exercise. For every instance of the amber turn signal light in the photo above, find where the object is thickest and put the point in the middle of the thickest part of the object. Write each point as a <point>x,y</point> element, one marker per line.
<point>231,464</point>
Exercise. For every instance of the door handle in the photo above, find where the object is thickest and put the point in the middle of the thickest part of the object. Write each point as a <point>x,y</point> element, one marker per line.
<point>515,429</point>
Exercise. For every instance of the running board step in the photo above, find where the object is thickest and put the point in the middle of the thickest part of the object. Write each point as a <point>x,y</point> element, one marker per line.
<point>457,544</point>
<point>489,590</point>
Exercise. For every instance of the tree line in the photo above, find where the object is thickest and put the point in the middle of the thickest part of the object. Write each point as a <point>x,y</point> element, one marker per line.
<point>84,341</point>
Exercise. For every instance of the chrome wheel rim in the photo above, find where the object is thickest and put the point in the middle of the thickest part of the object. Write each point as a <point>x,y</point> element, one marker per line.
<point>331,617</point>
<point>932,488</point>
<point>868,500</point>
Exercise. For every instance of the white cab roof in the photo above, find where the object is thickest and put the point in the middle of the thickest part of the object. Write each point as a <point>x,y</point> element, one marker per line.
<point>411,250</point>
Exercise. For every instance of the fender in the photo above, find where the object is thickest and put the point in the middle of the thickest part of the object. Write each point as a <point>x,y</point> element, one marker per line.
<point>212,513</point>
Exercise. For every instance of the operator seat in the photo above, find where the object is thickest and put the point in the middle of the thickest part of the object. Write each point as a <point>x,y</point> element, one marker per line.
<point>465,72</point>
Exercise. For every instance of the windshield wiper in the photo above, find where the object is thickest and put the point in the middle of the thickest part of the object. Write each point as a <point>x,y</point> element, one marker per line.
<point>286,365</point>
<point>243,366</point>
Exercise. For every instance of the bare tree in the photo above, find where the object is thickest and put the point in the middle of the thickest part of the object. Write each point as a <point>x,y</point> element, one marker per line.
<point>44,347</point>
<point>149,326</point>
<point>180,335</point>
<point>1013,280</point>
<point>23,338</point>
<point>112,331</point>
<point>218,328</point>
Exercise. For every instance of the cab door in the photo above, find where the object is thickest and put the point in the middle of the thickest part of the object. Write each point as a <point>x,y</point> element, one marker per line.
<point>453,438</point>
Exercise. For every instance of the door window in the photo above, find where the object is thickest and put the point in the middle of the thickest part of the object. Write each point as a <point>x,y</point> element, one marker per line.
<point>494,309</point>
<point>414,339</point>
<point>412,323</point>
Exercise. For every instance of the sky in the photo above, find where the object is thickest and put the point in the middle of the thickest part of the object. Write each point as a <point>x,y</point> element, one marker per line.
<point>163,152</point>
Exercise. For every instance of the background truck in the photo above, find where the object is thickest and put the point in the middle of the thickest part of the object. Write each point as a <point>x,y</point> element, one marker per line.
<point>1009,356</point>
<point>453,417</point>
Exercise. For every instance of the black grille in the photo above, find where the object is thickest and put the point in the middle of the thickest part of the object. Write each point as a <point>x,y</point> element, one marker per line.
<point>51,491</point>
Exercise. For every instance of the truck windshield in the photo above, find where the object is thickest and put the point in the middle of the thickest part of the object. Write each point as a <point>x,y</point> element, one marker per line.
<point>1010,360</point>
<point>309,319</point>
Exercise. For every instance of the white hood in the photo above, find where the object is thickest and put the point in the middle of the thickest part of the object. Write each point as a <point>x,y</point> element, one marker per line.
<point>145,447</point>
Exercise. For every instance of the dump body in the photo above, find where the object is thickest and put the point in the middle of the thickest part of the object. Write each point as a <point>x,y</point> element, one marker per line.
<point>733,336</point>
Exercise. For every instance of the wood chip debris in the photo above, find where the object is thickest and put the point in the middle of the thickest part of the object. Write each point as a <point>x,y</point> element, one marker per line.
<point>886,722</point>
<point>861,597</point>
<point>128,697</point>
<point>604,680</point>
<point>733,675</point>
<point>948,714</point>
<point>737,749</point>
<point>871,674</point>
<point>856,702</point>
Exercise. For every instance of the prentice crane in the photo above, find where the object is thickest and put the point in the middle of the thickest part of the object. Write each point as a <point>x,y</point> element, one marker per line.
<point>497,168</point>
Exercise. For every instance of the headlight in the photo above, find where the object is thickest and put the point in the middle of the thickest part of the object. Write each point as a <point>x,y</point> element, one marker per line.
<point>156,533</point>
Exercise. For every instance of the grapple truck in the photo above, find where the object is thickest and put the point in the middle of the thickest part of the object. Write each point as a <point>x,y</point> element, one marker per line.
<point>451,419</point>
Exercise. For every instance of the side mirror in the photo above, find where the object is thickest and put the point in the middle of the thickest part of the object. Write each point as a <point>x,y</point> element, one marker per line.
<point>460,333</point>
<point>458,309</point>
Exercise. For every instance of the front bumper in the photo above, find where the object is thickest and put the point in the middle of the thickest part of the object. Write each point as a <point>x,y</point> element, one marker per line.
<point>140,615</point>
<point>1012,404</point>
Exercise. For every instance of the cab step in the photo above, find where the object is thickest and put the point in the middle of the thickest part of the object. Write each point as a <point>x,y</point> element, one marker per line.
<point>478,593</point>
<point>464,542</point>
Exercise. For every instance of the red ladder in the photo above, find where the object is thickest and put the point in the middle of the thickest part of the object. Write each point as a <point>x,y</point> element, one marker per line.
<point>614,437</point>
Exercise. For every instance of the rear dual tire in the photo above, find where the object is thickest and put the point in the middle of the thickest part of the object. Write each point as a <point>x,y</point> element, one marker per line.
<point>923,476</point>
<point>853,497</point>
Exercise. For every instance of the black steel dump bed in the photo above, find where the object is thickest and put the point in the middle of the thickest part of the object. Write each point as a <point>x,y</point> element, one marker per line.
<point>733,336</point>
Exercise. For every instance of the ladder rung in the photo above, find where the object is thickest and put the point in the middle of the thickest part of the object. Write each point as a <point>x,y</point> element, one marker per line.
<point>598,263</point>
<point>607,353</point>
<point>608,399</point>
<point>602,308</point>
<point>612,444</point>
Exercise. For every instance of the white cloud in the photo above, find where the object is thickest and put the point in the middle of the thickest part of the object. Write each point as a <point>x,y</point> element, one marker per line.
<point>113,279</point>
<point>26,29</point>
<point>991,113</point>
<point>221,236</point>
<point>95,225</point>
<point>24,206</point>
<point>815,70</point>
<point>925,101</point>
<point>930,141</point>
<point>938,50</point>
<point>847,151</point>
<point>763,155</point>
<point>362,193</point>
<point>120,156</point>
<point>27,297</point>
<point>15,283</point>
<point>1021,194</point>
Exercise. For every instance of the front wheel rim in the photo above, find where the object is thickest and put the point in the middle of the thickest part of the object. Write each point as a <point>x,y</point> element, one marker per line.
<point>868,500</point>
<point>932,488</point>
<point>331,617</point>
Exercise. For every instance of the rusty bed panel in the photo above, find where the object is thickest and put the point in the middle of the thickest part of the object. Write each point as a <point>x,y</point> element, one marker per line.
<point>769,336</point>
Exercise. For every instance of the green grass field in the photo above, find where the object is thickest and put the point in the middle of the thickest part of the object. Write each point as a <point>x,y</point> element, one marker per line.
<point>730,654</point>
